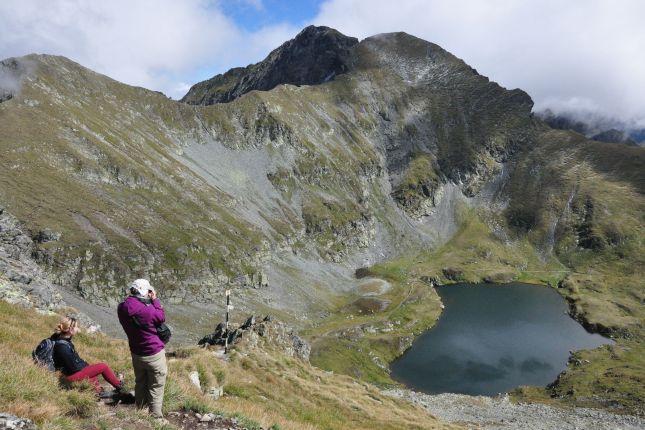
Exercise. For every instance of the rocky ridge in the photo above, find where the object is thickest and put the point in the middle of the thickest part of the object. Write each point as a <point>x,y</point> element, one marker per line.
<point>314,56</point>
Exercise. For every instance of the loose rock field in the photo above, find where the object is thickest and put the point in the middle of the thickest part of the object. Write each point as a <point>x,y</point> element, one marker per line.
<point>482,412</point>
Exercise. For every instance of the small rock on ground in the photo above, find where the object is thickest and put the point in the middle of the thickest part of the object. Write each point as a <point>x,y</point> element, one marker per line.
<point>191,420</point>
<point>12,422</point>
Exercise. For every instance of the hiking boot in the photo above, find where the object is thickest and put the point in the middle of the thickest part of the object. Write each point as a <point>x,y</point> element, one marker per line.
<point>125,397</point>
<point>107,394</point>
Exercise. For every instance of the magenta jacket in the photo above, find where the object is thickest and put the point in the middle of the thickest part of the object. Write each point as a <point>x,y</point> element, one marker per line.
<point>142,337</point>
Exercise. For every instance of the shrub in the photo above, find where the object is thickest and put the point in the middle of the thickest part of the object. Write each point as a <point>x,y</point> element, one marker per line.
<point>237,391</point>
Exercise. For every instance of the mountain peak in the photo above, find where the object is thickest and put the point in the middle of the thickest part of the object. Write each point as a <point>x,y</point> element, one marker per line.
<point>317,54</point>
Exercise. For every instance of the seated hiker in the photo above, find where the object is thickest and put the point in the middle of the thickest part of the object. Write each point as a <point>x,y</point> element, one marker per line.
<point>67,360</point>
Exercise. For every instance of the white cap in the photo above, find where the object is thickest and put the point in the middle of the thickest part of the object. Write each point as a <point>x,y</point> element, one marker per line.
<point>141,286</point>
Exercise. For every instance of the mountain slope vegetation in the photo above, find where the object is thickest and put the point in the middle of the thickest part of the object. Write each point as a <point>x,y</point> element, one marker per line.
<point>401,161</point>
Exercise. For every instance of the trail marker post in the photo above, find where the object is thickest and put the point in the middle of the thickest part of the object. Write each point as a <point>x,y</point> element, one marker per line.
<point>228,308</point>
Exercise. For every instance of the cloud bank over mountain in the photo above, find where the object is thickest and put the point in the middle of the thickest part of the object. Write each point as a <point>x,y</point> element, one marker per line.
<point>578,55</point>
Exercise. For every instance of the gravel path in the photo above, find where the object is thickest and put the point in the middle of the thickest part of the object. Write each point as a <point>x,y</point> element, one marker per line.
<point>481,412</point>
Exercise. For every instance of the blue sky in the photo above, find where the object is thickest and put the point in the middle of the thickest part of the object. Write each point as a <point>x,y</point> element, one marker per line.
<point>575,55</point>
<point>254,15</point>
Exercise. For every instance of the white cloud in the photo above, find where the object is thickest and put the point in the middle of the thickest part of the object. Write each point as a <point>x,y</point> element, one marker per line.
<point>575,53</point>
<point>157,44</point>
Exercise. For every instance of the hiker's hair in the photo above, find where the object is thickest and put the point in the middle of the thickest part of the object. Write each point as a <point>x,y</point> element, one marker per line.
<point>65,325</point>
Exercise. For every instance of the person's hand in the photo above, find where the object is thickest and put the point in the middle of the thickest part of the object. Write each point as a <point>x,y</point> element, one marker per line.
<point>152,294</point>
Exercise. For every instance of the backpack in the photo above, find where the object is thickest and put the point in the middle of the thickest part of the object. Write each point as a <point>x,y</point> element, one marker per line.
<point>164,332</point>
<point>43,355</point>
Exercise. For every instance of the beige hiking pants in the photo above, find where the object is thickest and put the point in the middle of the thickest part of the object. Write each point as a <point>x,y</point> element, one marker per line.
<point>150,379</point>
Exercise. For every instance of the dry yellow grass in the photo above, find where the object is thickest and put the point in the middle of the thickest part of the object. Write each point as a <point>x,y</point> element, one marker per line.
<point>263,386</point>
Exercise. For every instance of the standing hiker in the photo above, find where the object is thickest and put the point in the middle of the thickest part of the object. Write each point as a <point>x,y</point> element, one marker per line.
<point>140,314</point>
<point>67,360</point>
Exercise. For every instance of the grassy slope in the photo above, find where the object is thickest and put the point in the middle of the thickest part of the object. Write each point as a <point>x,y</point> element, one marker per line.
<point>262,385</point>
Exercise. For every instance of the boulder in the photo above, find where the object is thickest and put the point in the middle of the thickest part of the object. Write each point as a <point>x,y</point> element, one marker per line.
<point>430,280</point>
<point>235,335</point>
<point>208,417</point>
<point>47,235</point>
<point>194,379</point>
<point>20,278</point>
<point>248,323</point>
<point>219,330</point>
<point>216,392</point>
<point>12,422</point>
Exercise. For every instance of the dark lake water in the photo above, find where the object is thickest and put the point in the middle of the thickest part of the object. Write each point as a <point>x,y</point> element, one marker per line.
<point>493,338</point>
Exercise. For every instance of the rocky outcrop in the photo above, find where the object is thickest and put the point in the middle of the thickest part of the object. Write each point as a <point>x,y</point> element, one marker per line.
<point>12,422</point>
<point>417,192</point>
<point>314,56</point>
<point>267,332</point>
<point>587,232</point>
<point>453,274</point>
<point>10,71</point>
<point>5,95</point>
<point>22,280</point>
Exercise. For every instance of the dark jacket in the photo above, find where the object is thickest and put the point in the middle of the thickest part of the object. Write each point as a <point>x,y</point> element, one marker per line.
<point>140,318</point>
<point>66,359</point>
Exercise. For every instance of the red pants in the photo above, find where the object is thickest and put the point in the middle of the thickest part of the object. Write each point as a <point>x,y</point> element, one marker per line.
<point>91,373</point>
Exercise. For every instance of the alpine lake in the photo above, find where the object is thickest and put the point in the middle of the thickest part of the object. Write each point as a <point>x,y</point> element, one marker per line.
<point>491,339</point>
